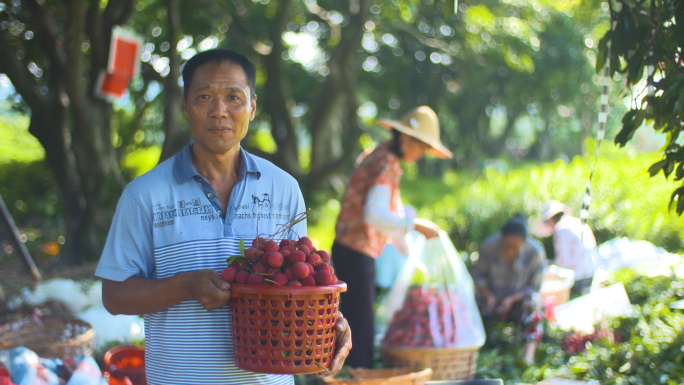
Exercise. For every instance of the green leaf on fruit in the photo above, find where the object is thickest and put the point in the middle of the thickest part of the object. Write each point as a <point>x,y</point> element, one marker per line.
<point>241,246</point>
<point>240,258</point>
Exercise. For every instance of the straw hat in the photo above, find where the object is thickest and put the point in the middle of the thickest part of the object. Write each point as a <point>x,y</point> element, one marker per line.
<point>421,123</point>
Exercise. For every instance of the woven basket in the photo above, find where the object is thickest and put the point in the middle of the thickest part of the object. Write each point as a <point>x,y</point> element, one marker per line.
<point>57,338</point>
<point>284,329</point>
<point>446,363</point>
<point>392,376</point>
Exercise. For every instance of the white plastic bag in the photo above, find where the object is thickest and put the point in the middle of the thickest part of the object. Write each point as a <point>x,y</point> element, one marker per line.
<point>432,302</point>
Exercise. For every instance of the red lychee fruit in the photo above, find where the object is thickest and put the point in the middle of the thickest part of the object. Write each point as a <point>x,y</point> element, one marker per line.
<point>324,277</point>
<point>238,264</point>
<point>300,270</point>
<point>258,242</point>
<point>314,259</point>
<point>241,277</point>
<point>305,241</point>
<point>311,269</point>
<point>286,254</point>
<point>304,249</point>
<point>272,271</point>
<point>297,256</point>
<point>280,279</point>
<point>271,246</point>
<point>253,254</point>
<point>259,267</point>
<point>308,281</point>
<point>255,279</point>
<point>273,259</point>
<point>228,274</point>
<point>324,267</point>
<point>288,242</point>
<point>288,273</point>
<point>325,257</point>
<point>294,282</point>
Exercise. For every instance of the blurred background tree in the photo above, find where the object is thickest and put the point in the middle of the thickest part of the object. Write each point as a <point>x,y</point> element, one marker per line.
<point>512,81</point>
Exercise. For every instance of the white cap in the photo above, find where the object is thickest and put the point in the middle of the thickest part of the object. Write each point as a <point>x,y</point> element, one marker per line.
<point>552,208</point>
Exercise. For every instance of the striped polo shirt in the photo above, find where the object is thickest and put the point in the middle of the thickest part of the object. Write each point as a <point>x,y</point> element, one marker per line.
<point>169,221</point>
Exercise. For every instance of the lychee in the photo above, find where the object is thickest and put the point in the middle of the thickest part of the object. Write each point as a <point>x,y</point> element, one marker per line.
<point>300,270</point>
<point>273,259</point>
<point>311,269</point>
<point>288,242</point>
<point>241,277</point>
<point>238,264</point>
<point>288,273</point>
<point>258,242</point>
<point>255,279</point>
<point>297,256</point>
<point>324,267</point>
<point>294,282</point>
<point>259,268</point>
<point>253,254</point>
<point>280,279</point>
<point>304,249</point>
<point>305,241</point>
<point>324,277</point>
<point>308,281</point>
<point>314,259</point>
<point>271,246</point>
<point>228,274</point>
<point>325,257</point>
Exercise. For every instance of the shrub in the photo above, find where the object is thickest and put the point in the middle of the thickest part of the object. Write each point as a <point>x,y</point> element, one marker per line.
<point>625,200</point>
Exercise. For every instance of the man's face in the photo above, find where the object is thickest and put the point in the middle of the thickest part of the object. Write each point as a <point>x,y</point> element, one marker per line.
<point>511,245</point>
<point>219,107</point>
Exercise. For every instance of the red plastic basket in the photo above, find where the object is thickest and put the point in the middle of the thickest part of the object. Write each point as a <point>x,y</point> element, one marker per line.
<point>284,329</point>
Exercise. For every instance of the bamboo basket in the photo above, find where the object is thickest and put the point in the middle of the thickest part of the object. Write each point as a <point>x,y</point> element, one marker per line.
<point>446,363</point>
<point>391,376</point>
<point>56,337</point>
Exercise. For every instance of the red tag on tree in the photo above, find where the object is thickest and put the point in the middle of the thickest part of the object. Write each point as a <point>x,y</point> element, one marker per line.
<point>124,63</point>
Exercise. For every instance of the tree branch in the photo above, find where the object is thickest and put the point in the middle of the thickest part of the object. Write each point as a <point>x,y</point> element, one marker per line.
<point>118,12</point>
<point>19,76</point>
<point>46,33</point>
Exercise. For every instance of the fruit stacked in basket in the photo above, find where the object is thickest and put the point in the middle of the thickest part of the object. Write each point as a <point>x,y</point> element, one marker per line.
<point>284,306</point>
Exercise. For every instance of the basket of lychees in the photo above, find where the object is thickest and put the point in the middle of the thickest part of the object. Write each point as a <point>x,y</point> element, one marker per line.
<point>284,306</point>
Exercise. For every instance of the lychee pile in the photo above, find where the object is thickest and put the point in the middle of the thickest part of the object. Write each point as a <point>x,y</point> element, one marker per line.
<point>288,263</point>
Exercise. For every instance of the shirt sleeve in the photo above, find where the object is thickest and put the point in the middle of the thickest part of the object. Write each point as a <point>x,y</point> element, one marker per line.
<point>128,250</point>
<point>480,269</point>
<point>536,268</point>
<point>377,213</point>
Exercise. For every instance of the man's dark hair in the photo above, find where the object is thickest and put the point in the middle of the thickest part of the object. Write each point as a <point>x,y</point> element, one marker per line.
<point>514,227</point>
<point>218,56</point>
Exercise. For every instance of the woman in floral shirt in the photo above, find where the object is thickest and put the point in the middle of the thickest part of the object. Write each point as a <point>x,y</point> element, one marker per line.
<point>372,216</point>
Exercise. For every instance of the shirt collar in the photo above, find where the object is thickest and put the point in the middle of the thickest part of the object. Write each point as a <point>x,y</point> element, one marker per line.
<point>183,168</point>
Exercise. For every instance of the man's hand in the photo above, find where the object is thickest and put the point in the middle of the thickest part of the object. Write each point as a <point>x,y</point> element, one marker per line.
<point>343,345</point>
<point>427,228</point>
<point>505,306</point>
<point>208,288</point>
<point>490,302</point>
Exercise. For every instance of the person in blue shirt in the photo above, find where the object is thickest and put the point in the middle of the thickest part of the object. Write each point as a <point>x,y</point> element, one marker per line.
<point>175,225</point>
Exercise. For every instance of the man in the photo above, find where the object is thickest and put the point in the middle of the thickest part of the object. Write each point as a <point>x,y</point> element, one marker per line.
<point>574,245</point>
<point>508,277</point>
<point>175,226</point>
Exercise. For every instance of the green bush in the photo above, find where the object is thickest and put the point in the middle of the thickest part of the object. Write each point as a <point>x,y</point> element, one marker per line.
<point>625,200</point>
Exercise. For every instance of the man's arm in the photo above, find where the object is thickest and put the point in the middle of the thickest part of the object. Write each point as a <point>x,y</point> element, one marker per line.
<point>138,296</point>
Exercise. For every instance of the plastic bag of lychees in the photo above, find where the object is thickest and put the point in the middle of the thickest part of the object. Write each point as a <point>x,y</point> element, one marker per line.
<point>280,262</point>
<point>432,302</point>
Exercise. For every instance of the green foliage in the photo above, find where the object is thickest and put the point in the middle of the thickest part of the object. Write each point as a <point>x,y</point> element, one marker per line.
<point>647,28</point>
<point>140,161</point>
<point>625,201</point>
<point>16,144</point>
<point>647,348</point>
